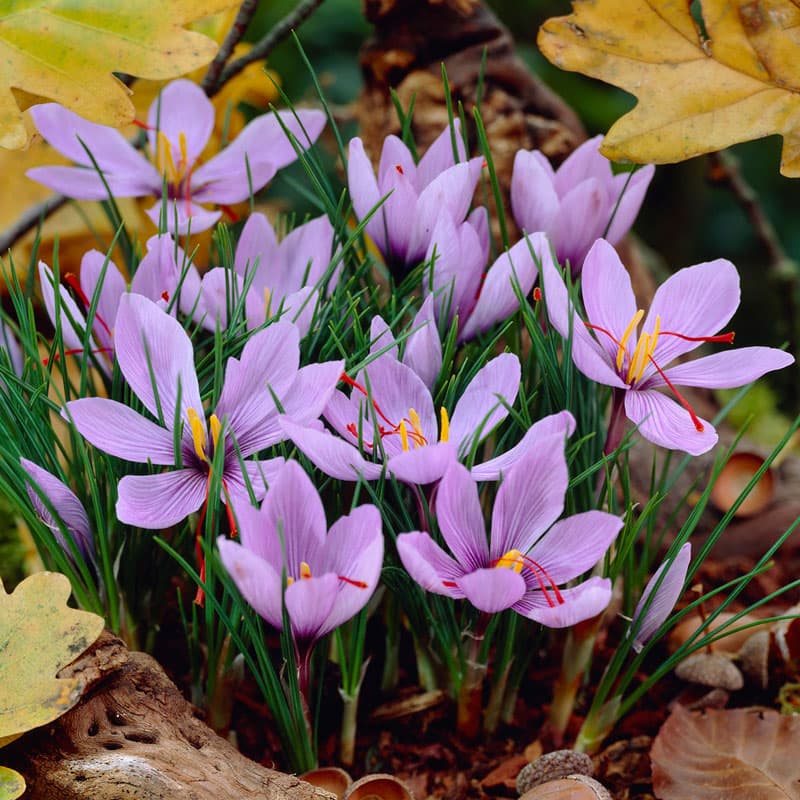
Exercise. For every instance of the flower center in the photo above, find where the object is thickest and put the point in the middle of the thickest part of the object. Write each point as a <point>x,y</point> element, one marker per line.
<point>199,433</point>
<point>305,574</point>
<point>515,561</point>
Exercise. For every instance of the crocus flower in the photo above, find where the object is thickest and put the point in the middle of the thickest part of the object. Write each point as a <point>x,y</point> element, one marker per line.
<point>13,351</point>
<point>330,574</point>
<point>71,513</point>
<point>529,555</point>
<point>407,197</point>
<point>157,360</point>
<point>178,126</point>
<point>667,594</point>
<point>687,309</point>
<point>579,202</point>
<point>390,416</point>
<point>278,278</point>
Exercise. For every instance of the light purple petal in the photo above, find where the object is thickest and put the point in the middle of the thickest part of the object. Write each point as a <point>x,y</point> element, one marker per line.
<point>608,297</point>
<point>534,200</point>
<point>530,498</point>
<point>71,334</point>
<point>664,601</point>
<point>485,402</point>
<point>395,215</point>
<point>630,202</point>
<point>181,110</point>
<point>380,337</point>
<point>589,357</point>
<point>422,465</point>
<point>458,510</point>
<point>262,473</point>
<point>439,156</point>
<point>581,220</point>
<point>562,423</point>
<point>256,250</point>
<point>304,255</point>
<point>666,423</point>
<point>153,347</point>
<point>258,582</point>
<point>221,291</point>
<point>364,192</point>
<point>583,163</point>
<point>575,544</point>
<point>183,217</point>
<point>262,148</point>
<point>395,154</point>
<point>423,350</point>
<point>117,429</point>
<point>695,301</point>
<point>726,370</point>
<point>329,453</point>
<point>309,603</point>
<point>311,391</point>
<point>580,603</point>
<point>159,501</point>
<point>112,288</point>
<point>492,590</point>
<point>429,565</point>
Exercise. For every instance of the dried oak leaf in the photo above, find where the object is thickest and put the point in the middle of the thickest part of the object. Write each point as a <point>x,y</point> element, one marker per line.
<point>699,89</point>
<point>729,754</point>
<point>39,634</point>
<point>66,51</point>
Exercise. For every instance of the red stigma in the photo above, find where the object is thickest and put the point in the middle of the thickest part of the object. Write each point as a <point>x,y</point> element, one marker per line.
<point>143,125</point>
<point>351,582</point>
<point>72,281</point>
<point>399,169</point>
<point>537,294</point>
<point>165,296</point>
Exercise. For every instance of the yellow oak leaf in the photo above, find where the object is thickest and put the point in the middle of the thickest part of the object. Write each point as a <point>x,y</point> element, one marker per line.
<point>39,635</point>
<point>12,784</point>
<point>66,50</point>
<point>700,89</point>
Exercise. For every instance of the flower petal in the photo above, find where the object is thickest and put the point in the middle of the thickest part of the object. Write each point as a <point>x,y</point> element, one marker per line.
<point>581,602</point>
<point>159,501</point>
<point>439,156</point>
<point>364,192</point>
<point>117,429</point>
<point>492,590</point>
<point>256,251</point>
<point>581,220</point>
<point>534,200</point>
<point>422,465</point>
<point>111,287</point>
<point>633,192</point>
<point>423,350</point>
<point>664,422</point>
<point>583,162</point>
<point>71,319</point>
<point>309,603</point>
<point>429,565</point>
<point>182,216</point>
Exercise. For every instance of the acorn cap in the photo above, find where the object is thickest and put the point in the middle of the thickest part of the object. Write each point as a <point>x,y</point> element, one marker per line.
<point>332,779</point>
<point>711,669</point>
<point>552,766</point>
<point>571,787</point>
<point>378,787</point>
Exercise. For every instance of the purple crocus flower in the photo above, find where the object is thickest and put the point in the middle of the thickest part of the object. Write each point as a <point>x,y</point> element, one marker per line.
<point>157,359</point>
<point>330,574</point>
<point>178,126</point>
<point>71,513</point>
<point>577,203</point>
<point>403,221</point>
<point>390,416</point>
<point>687,309</point>
<point>279,278</point>
<point>665,598</point>
<point>13,351</point>
<point>529,555</point>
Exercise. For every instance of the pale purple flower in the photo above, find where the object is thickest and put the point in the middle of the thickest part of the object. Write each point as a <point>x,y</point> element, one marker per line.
<point>529,555</point>
<point>390,417</point>
<point>156,357</point>
<point>275,278</point>
<point>667,594</point>
<point>406,197</point>
<point>579,202</point>
<point>71,513</point>
<point>687,309</point>
<point>13,351</point>
<point>179,124</point>
<point>330,574</point>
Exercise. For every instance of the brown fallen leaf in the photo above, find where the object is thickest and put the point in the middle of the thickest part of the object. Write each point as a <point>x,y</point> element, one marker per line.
<point>699,90</point>
<point>729,754</point>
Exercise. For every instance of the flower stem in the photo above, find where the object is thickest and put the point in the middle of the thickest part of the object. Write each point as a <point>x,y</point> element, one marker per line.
<point>347,739</point>
<point>470,693</point>
<point>616,422</point>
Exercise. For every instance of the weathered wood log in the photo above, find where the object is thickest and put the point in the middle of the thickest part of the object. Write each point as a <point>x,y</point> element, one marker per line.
<point>133,735</point>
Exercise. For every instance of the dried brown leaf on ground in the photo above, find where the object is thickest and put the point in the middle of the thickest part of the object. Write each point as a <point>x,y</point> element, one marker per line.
<point>727,754</point>
<point>700,87</point>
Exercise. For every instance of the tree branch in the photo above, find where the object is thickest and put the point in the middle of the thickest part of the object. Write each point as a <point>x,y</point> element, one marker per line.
<point>211,83</point>
<point>29,219</point>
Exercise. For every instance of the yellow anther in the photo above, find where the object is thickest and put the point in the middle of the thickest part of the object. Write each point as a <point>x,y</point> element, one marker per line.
<point>444,427</point>
<point>511,560</point>
<point>289,580</point>
<point>216,428</point>
<point>184,152</point>
<point>403,435</point>
<point>305,570</point>
<point>198,434</point>
<point>164,159</point>
<point>637,318</point>
<point>267,302</point>
<point>416,426</point>
<point>654,337</point>
<point>639,360</point>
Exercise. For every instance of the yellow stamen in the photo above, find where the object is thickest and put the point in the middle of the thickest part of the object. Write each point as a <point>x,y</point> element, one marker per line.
<point>184,152</point>
<point>637,318</point>
<point>216,428</point>
<point>444,428</point>
<point>305,570</point>
<point>403,435</point>
<point>511,560</point>
<point>654,337</point>
<point>416,425</point>
<point>289,580</point>
<point>639,360</point>
<point>267,301</point>
<point>198,434</point>
<point>164,159</point>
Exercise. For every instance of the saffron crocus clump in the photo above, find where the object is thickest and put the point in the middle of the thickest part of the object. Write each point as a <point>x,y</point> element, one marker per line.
<point>407,198</point>
<point>330,574</point>
<point>65,503</point>
<point>529,556</point>
<point>277,277</point>
<point>645,623</point>
<point>179,124</point>
<point>157,360</point>
<point>610,347</point>
<point>579,202</point>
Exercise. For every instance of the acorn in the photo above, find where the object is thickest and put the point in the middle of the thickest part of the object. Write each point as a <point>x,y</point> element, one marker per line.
<point>571,787</point>
<point>733,479</point>
<point>552,766</point>
<point>754,658</point>
<point>332,779</point>
<point>711,669</point>
<point>378,787</point>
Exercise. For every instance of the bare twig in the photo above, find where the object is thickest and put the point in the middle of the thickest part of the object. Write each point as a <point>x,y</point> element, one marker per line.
<point>30,218</point>
<point>268,43</point>
<point>211,83</point>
